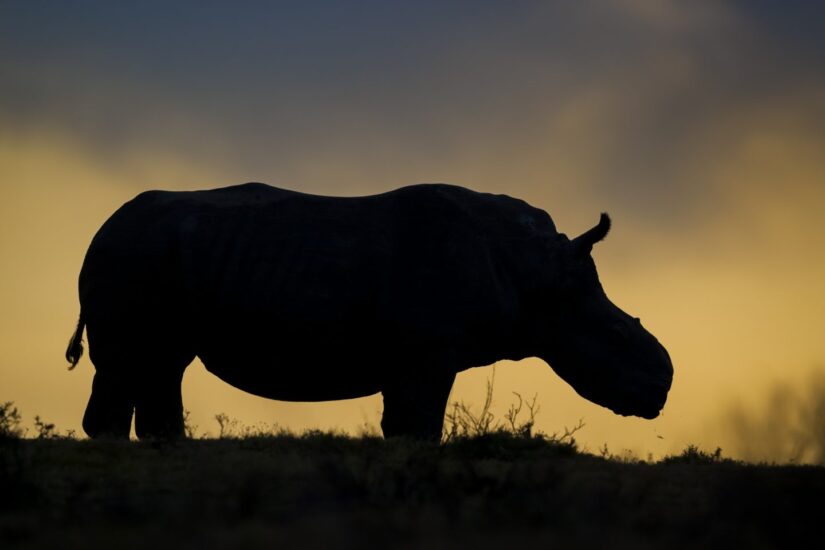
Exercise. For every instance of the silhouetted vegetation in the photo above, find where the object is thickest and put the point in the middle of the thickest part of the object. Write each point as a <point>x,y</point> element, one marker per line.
<point>461,422</point>
<point>788,425</point>
<point>496,483</point>
<point>694,455</point>
<point>10,422</point>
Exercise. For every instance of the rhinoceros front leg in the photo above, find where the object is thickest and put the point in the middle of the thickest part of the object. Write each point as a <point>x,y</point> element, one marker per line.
<point>159,405</point>
<point>414,406</point>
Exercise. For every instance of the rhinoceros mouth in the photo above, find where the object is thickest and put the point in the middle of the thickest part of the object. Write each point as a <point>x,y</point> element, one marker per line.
<point>644,408</point>
<point>651,414</point>
<point>646,413</point>
<point>645,400</point>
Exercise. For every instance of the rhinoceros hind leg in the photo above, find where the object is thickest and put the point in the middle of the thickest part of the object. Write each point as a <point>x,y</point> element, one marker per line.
<point>158,403</point>
<point>415,407</point>
<point>109,412</point>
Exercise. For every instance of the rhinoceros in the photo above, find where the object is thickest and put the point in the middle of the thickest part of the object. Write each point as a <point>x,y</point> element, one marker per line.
<point>301,297</point>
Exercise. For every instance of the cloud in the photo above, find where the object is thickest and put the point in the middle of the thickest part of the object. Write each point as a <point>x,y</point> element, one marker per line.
<point>647,109</point>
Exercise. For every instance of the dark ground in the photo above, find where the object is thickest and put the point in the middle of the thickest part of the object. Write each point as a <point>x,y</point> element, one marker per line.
<point>330,491</point>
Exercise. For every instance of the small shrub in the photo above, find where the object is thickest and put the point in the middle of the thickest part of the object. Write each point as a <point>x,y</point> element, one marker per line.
<point>261,429</point>
<point>367,430</point>
<point>488,436</point>
<point>566,437</point>
<point>229,428</point>
<point>232,428</point>
<point>694,455</point>
<point>626,456</point>
<point>461,421</point>
<point>45,430</point>
<point>10,422</point>
<point>522,428</point>
<point>190,429</point>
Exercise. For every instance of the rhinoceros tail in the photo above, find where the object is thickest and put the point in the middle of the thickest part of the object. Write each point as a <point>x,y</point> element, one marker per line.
<point>75,349</point>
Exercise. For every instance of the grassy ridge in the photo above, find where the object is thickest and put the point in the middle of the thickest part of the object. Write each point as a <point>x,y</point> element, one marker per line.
<point>328,490</point>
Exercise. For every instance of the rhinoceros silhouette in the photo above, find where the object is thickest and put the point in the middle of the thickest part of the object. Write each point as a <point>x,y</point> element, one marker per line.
<point>301,297</point>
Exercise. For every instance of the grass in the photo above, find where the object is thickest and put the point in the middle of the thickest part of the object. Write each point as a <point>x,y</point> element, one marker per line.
<point>489,483</point>
<point>321,489</point>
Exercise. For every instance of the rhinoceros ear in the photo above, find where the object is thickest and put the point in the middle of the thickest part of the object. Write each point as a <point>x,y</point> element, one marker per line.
<point>583,244</point>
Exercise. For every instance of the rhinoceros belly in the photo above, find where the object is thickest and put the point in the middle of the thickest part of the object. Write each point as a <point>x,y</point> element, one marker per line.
<point>306,363</point>
<point>306,380</point>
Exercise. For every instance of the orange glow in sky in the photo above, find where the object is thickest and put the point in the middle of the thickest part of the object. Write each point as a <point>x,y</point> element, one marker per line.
<point>700,128</point>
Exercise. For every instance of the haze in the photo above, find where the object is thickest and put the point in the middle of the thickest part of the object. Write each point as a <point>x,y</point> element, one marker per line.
<point>699,126</point>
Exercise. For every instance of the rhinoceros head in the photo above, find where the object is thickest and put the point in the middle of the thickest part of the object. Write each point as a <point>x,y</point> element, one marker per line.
<point>604,353</point>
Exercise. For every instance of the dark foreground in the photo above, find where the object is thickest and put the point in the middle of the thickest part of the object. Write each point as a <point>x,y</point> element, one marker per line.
<point>328,491</point>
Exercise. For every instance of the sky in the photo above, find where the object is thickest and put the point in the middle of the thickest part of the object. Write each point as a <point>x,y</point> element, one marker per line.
<point>698,125</point>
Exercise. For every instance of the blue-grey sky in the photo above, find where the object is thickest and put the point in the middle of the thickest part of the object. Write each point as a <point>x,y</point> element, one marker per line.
<point>637,87</point>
